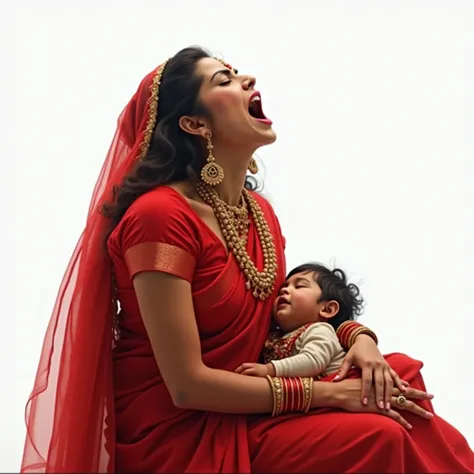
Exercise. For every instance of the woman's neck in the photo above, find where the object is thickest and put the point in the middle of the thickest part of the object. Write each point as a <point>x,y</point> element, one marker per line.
<point>235,165</point>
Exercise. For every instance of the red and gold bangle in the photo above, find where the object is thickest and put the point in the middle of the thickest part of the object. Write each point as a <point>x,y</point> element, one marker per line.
<point>286,390</point>
<point>358,332</point>
<point>345,330</point>
<point>291,394</point>
<point>348,331</point>
<point>300,393</point>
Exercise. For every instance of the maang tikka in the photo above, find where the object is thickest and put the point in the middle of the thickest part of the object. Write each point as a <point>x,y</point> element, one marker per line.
<point>211,173</point>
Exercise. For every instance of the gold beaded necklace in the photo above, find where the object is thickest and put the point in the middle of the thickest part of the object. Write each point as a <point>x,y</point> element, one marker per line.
<point>263,282</point>
<point>240,216</point>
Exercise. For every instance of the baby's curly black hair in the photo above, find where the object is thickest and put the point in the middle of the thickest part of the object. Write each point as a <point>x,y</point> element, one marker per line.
<point>334,286</point>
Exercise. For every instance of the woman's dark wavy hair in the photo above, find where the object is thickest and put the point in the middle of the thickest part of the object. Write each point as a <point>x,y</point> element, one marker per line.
<point>334,286</point>
<point>174,155</point>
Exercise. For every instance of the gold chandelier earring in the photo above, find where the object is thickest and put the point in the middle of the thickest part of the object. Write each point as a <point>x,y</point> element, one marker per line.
<point>211,173</point>
<point>253,167</point>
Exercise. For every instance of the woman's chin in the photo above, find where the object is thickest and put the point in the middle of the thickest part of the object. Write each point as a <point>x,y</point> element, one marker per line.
<point>266,136</point>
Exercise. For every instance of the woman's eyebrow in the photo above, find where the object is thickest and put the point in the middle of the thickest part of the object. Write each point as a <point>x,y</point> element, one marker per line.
<point>227,72</point>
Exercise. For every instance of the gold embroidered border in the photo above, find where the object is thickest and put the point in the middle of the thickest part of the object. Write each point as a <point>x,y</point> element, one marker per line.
<point>160,257</point>
<point>152,111</point>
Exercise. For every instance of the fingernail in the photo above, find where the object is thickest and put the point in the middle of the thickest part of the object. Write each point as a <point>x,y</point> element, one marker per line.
<point>409,427</point>
<point>429,415</point>
<point>337,377</point>
<point>381,405</point>
<point>387,406</point>
<point>430,396</point>
<point>365,401</point>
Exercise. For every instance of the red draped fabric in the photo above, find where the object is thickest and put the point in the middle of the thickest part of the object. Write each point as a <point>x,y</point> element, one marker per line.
<point>152,434</point>
<point>329,440</point>
<point>162,232</point>
<point>94,409</point>
<point>70,412</point>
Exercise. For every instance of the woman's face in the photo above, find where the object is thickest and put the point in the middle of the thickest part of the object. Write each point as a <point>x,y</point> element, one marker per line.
<point>234,105</point>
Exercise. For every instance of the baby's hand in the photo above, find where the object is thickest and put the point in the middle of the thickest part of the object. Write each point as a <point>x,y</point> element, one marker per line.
<point>256,370</point>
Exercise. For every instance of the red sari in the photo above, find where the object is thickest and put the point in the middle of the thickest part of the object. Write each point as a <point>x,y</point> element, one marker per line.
<point>161,232</point>
<point>94,409</point>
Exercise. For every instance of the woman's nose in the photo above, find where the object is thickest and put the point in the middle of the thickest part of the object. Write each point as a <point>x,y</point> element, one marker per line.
<point>249,82</point>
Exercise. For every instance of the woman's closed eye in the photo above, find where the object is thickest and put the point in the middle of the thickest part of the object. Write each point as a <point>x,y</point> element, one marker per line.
<point>225,83</point>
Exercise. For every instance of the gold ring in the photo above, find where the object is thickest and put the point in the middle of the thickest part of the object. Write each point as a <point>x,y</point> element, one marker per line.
<point>401,400</point>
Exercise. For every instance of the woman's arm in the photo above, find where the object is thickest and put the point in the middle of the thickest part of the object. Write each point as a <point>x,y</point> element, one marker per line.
<point>168,314</point>
<point>167,310</point>
<point>361,344</point>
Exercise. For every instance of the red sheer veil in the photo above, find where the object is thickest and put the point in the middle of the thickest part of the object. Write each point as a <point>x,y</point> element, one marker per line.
<point>70,412</point>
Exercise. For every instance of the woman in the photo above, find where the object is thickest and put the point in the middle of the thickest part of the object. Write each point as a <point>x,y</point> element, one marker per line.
<point>185,249</point>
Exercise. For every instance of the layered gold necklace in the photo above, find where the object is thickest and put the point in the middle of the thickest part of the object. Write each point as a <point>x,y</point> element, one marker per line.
<point>234,222</point>
<point>239,215</point>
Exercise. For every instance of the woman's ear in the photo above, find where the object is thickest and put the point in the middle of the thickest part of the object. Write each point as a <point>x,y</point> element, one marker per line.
<point>193,125</point>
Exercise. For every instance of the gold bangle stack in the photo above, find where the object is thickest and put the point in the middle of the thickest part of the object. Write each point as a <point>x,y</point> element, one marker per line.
<point>291,394</point>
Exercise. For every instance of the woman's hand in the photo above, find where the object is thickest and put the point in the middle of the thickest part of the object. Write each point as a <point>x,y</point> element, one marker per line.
<point>348,398</point>
<point>366,355</point>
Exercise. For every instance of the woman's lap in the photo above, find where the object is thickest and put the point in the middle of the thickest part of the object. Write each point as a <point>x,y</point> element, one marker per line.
<point>327,442</point>
<point>337,441</point>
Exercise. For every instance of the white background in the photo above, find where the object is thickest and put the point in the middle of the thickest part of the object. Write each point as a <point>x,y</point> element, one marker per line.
<point>373,102</point>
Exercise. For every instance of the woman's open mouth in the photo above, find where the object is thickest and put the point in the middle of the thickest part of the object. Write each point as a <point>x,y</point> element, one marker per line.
<point>255,109</point>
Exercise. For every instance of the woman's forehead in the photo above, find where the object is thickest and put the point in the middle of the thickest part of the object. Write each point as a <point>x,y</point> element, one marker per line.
<point>207,67</point>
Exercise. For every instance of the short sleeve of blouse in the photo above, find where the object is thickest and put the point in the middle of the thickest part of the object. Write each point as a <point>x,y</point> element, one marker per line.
<point>159,233</point>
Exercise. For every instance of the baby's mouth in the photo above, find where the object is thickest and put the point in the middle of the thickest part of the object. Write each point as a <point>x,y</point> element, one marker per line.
<point>282,301</point>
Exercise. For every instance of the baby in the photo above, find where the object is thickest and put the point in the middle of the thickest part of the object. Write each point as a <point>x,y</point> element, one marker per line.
<point>311,305</point>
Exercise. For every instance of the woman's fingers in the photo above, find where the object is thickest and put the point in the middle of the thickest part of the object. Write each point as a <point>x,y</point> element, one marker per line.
<point>412,393</point>
<point>417,394</point>
<point>397,381</point>
<point>344,370</point>
<point>379,382</point>
<point>398,418</point>
<point>367,375</point>
<point>388,387</point>
<point>408,405</point>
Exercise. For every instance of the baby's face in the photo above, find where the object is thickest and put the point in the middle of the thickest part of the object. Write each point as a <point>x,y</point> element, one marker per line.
<point>298,302</point>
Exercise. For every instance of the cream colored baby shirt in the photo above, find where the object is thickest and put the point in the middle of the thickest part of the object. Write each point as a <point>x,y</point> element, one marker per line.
<point>317,351</point>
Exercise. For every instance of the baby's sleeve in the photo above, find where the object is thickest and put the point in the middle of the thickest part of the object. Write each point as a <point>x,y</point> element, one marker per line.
<point>317,347</point>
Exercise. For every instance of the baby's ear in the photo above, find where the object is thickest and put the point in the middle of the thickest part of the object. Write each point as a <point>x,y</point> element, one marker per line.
<point>330,309</point>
